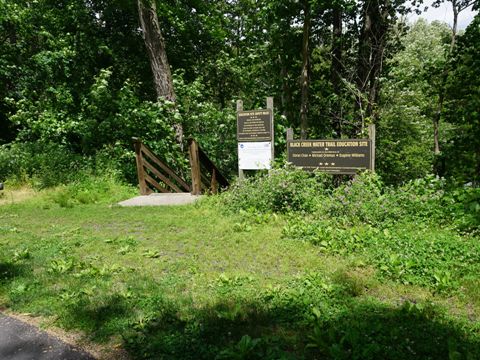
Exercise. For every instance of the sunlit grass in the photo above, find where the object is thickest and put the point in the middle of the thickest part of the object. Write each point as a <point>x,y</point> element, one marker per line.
<point>191,272</point>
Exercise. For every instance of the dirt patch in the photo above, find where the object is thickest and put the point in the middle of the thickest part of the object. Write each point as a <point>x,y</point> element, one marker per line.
<point>13,196</point>
<point>109,351</point>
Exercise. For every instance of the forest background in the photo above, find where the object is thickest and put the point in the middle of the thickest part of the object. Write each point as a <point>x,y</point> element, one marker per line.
<point>77,82</point>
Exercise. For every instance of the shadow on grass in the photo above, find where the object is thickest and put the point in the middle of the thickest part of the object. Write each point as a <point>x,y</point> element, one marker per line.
<point>365,331</point>
<point>99,319</point>
<point>10,270</point>
<point>342,325</point>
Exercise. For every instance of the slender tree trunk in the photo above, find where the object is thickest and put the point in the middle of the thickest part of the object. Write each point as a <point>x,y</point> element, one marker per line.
<point>286,97</point>
<point>441,96</point>
<point>456,10</point>
<point>363,63</point>
<point>305,75</point>
<point>155,44</point>
<point>371,54</point>
<point>477,177</point>
<point>336,70</point>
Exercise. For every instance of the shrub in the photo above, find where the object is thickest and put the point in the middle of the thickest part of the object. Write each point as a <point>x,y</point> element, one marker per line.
<point>45,164</point>
<point>283,190</point>
<point>91,190</point>
<point>365,199</point>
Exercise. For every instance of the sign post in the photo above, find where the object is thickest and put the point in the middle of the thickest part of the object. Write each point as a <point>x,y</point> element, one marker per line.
<point>255,138</point>
<point>241,174</point>
<point>371,136</point>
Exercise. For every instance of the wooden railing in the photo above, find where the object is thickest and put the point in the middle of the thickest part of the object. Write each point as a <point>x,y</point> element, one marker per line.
<point>154,173</point>
<point>205,175</point>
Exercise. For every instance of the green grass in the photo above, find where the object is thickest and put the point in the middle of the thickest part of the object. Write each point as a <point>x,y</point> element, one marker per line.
<point>193,283</point>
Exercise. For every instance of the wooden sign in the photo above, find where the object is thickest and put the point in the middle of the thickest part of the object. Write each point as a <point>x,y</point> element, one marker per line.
<point>342,156</point>
<point>254,125</point>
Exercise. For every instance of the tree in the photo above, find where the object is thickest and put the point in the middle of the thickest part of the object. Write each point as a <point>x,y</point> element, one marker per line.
<point>155,44</point>
<point>305,74</point>
<point>457,6</point>
<point>408,103</point>
<point>462,151</point>
<point>377,18</point>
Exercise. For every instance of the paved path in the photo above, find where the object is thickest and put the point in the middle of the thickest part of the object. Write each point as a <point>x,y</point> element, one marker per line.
<point>21,341</point>
<point>161,199</point>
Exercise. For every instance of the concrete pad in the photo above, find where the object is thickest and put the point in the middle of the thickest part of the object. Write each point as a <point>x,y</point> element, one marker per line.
<point>161,199</point>
<point>21,341</point>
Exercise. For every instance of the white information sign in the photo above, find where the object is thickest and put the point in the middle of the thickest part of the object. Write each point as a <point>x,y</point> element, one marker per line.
<point>254,155</point>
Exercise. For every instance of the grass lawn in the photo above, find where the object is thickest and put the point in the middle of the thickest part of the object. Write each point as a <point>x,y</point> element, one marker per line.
<point>190,282</point>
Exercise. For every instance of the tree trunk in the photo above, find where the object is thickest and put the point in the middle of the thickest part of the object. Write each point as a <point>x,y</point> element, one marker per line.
<point>155,44</point>
<point>286,97</point>
<point>363,62</point>
<point>371,53</point>
<point>304,77</point>
<point>457,8</point>
<point>336,70</point>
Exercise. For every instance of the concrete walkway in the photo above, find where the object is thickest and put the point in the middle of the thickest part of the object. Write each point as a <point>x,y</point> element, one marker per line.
<point>21,341</point>
<point>161,199</point>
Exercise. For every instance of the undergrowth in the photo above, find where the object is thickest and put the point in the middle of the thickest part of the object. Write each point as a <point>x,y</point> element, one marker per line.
<point>422,233</point>
<point>298,268</point>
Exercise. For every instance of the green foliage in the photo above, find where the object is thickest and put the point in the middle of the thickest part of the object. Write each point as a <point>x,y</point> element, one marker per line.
<point>91,190</point>
<point>409,101</point>
<point>412,234</point>
<point>365,199</point>
<point>49,165</point>
<point>283,190</point>
<point>46,164</point>
<point>76,75</point>
<point>461,158</point>
<point>408,253</point>
<point>214,128</point>
<point>365,333</point>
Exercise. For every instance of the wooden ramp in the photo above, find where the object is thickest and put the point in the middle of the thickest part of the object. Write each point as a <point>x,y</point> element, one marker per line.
<point>155,176</point>
<point>160,185</point>
<point>161,199</point>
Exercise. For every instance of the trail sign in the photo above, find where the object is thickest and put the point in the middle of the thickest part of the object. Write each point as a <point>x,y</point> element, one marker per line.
<point>254,125</point>
<point>345,156</point>
<point>254,155</point>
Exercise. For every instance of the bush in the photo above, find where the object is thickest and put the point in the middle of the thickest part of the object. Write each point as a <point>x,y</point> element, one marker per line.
<point>365,199</point>
<point>90,189</point>
<point>362,200</point>
<point>44,164</point>
<point>463,204</point>
<point>50,165</point>
<point>282,190</point>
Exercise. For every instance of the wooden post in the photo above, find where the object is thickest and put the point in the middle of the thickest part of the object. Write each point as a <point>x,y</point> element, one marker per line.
<point>289,134</point>
<point>140,170</point>
<point>289,137</point>
<point>195,167</point>
<point>241,174</point>
<point>371,136</point>
<point>272,128</point>
<point>214,183</point>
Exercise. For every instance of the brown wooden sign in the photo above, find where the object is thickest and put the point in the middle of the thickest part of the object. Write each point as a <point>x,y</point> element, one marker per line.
<point>254,125</point>
<point>342,156</point>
